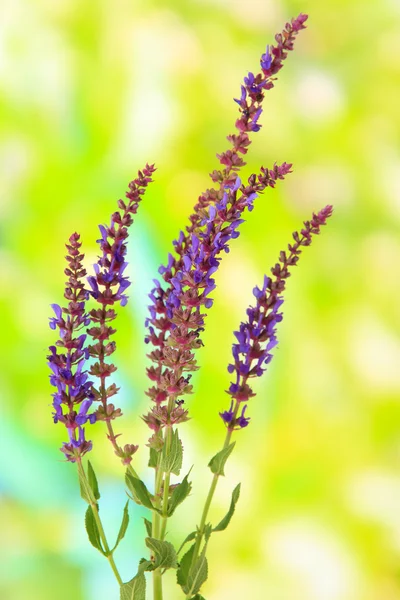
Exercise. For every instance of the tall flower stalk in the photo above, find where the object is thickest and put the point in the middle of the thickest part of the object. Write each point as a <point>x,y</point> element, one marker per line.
<point>108,287</point>
<point>74,396</point>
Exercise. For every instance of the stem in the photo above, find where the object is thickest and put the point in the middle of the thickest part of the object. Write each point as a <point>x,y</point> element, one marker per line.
<point>117,448</point>
<point>157,581</point>
<point>209,498</point>
<point>99,524</point>
<point>164,518</point>
<point>158,527</point>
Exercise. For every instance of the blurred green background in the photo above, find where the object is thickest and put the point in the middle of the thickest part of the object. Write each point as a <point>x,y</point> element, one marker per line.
<point>90,91</point>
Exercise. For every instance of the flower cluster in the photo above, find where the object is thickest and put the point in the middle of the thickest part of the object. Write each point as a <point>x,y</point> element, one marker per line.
<point>74,395</point>
<point>256,337</point>
<point>108,287</point>
<point>176,317</point>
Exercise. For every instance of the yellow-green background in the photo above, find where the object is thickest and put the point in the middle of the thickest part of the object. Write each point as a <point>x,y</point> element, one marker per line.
<point>90,91</point>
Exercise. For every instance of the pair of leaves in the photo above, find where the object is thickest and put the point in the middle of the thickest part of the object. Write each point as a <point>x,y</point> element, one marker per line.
<point>189,577</point>
<point>141,495</point>
<point>93,485</point>
<point>90,519</point>
<point>94,533</point>
<point>223,524</point>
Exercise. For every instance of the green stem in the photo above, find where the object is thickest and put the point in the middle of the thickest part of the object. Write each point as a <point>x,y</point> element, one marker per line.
<point>157,581</point>
<point>159,526</point>
<point>210,495</point>
<point>164,518</point>
<point>99,524</point>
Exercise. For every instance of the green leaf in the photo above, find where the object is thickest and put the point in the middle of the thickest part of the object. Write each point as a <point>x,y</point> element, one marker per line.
<point>198,597</point>
<point>135,589</point>
<point>94,486</point>
<point>184,565</point>
<point>139,491</point>
<point>223,524</point>
<point>123,528</point>
<point>189,538</point>
<point>171,460</point>
<point>83,488</point>
<point>149,527</point>
<point>179,494</point>
<point>92,530</point>
<point>207,532</point>
<point>145,565</point>
<point>197,574</point>
<point>153,460</point>
<point>163,552</point>
<point>217,463</point>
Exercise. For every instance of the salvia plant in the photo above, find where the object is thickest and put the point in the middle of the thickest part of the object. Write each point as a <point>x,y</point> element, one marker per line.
<point>81,358</point>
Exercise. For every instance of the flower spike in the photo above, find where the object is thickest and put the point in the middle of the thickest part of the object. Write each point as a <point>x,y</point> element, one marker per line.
<point>67,358</point>
<point>108,287</point>
<point>256,337</point>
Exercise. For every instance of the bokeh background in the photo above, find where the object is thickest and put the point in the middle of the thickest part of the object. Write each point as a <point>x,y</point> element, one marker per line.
<point>90,91</point>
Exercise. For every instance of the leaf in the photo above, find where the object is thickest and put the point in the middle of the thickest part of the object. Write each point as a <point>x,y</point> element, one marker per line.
<point>123,528</point>
<point>145,565</point>
<point>163,552</point>
<point>217,463</point>
<point>198,597</point>
<point>139,491</point>
<point>197,574</point>
<point>94,486</point>
<point>223,524</point>
<point>92,530</point>
<point>135,589</point>
<point>179,494</point>
<point>153,460</point>
<point>207,532</point>
<point>189,538</point>
<point>83,488</point>
<point>149,527</point>
<point>184,565</point>
<point>171,460</point>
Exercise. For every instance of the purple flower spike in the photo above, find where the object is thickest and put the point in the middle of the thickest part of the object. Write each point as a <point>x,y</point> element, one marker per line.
<point>74,395</point>
<point>256,337</point>
<point>108,287</point>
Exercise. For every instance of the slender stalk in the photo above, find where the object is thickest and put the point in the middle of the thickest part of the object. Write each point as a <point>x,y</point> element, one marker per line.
<point>210,496</point>
<point>99,524</point>
<point>160,523</point>
<point>157,581</point>
<point>164,518</point>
